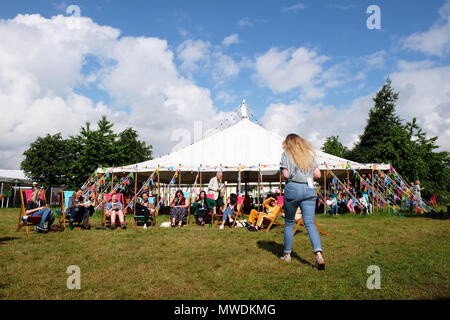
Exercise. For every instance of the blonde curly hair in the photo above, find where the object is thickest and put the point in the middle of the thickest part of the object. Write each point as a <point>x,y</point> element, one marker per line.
<point>300,151</point>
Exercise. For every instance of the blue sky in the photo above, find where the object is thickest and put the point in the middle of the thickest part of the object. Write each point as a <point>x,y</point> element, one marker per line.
<point>348,61</point>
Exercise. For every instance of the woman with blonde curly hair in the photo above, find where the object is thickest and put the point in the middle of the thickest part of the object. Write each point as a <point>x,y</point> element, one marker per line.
<point>299,166</point>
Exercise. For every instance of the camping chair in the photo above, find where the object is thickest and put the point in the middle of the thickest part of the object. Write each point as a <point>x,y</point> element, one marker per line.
<point>33,220</point>
<point>139,218</point>
<point>105,219</point>
<point>268,221</point>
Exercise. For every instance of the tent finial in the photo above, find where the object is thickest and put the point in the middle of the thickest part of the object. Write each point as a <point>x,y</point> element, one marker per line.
<point>243,109</point>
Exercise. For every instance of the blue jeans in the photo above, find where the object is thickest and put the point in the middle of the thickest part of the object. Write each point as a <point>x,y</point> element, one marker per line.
<point>47,216</point>
<point>334,209</point>
<point>227,213</point>
<point>296,194</point>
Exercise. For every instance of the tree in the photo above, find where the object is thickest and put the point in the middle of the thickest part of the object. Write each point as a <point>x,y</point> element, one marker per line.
<point>46,161</point>
<point>55,161</point>
<point>384,134</point>
<point>386,139</point>
<point>132,150</point>
<point>333,146</point>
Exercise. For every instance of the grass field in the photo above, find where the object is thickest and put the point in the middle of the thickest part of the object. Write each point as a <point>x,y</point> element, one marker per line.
<point>202,263</point>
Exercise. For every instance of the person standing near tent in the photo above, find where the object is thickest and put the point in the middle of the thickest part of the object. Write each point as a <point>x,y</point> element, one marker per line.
<point>299,167</point>
<point>215,188</point>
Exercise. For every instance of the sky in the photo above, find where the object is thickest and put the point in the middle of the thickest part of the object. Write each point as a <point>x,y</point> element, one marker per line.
<point>166,67</point>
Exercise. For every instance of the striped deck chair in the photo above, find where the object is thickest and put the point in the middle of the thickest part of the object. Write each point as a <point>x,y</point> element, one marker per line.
<point>33,220</point>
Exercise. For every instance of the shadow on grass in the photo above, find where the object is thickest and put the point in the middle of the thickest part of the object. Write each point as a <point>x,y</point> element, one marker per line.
<point>277,250</point>
<point>3,240</point>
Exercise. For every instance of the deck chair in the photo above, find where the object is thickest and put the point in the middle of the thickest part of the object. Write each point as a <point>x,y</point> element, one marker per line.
<point>269,222</point>
<point>105,219</point>
<point>140,219</point>
<point>187,195</point>
<point>33,220</point>
<point>240,203</point>
<point>64,215</point>
<point>299,222</point>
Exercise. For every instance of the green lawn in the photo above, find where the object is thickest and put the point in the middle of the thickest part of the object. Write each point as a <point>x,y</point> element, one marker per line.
<point>202,263</point>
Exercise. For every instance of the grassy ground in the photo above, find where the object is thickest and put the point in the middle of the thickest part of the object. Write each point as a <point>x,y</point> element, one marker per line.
<point>202,263</point>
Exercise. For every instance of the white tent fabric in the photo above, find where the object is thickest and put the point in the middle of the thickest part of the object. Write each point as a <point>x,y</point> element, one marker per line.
<point>245,146</point>
<point>13,176</point>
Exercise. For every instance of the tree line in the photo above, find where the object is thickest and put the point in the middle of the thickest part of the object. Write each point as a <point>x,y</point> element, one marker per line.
<point>55,161</point>
<point>388,139</point>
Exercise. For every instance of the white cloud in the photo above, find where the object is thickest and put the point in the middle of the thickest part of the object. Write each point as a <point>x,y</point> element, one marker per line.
<point>192,52</point>
<point>41,63</point>
<point>436,40</point>
<point>285,70</point>
<point>294,8</point>
<point>244,22</point>
<point>425,94</point>
<point>231,39</point>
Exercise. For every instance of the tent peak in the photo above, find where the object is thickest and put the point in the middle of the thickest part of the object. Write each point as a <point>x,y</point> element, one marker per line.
<point>243,109</point>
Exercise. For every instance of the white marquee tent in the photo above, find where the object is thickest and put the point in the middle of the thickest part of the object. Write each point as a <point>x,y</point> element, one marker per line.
<point>245,146</point>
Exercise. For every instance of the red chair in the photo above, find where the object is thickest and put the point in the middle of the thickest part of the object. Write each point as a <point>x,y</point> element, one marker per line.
<point>106,199</point>
<point>32,220</point>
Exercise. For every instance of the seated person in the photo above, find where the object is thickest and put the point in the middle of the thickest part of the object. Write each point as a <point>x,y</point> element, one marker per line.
<point>36,207</point>
<point>270,204</point>
<point>113,209</point>
<point>145,208</point>
<point>332,204</point>
<point>364,204</point>
<point>230,209</point>
<point>178,208</point>
<point>79,210</point>
<point>202,207</point>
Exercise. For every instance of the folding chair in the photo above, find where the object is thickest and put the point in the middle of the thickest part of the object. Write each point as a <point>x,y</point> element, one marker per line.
<point>64,215</point>
<point>268,221</point>
<point>32,220</point>
<point>187,195</point>
<point>240,203</point>
<point>106,199</point>
<point>140,218</point>
<point>299,222</point>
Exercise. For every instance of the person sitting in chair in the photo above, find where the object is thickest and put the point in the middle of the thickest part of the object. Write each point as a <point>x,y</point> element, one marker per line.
<point>364,204</point>
<point>36,207</point>
<point>202,207</point>
<point>115,209</point>
<point>230,209</point>
<point>79,210</point>
<point>179,208</point>
<point>332,204</point>
<point>270,204</point>
<point>145,208</point>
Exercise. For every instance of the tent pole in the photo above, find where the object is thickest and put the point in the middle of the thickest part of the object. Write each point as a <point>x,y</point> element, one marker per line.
<point>135,197</point>
<point>325,191</point>
<point>259,187</point>
<point>373,189</point>
<point>159,191</point>
<point>1,192</point>
<point>201,174</point>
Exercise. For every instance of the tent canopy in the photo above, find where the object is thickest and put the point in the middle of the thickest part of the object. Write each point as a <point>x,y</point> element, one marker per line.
<point>245,146</point>
<point>13,176</point>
